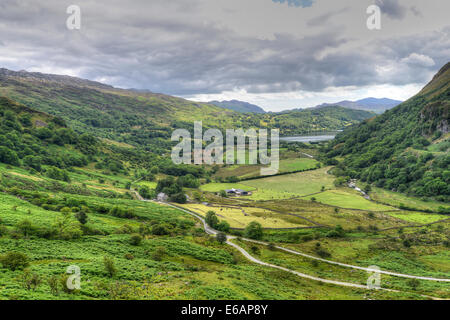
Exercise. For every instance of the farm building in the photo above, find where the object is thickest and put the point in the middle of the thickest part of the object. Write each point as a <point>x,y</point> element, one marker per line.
<point>238,192</point>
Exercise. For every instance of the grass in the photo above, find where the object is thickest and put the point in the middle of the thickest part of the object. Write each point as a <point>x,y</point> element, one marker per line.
<point>347,199</point>
<point>398,199</point>
<point>417,217</point>
<point>240,217</point>
<point>291,185</point>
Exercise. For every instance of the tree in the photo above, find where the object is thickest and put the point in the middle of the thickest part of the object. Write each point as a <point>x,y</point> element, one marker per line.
<point>211,219</point>
<point>178,198</point>
<point>221,237</point>
<point>254,231</point>
<point>9,156</point>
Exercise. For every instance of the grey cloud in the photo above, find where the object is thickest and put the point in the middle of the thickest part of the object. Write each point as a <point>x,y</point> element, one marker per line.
<point>392,8</point>
<point>181,55</point>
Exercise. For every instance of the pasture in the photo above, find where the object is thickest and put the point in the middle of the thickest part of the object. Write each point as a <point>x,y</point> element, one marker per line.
<point>240,217</point>
<point>347,199</point>
<point>291,185</point>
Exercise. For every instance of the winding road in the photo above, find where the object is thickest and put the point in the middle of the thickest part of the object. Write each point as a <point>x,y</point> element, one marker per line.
<point>211,231</point>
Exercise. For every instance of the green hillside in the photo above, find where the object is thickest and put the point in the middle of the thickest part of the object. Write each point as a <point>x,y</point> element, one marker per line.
<point>405,148</point>
<point>148,119</point>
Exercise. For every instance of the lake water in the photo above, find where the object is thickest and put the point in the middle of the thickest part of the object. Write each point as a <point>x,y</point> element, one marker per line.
<point>310,138</point>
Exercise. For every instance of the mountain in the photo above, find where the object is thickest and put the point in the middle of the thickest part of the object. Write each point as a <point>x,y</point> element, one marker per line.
<point>406,148</point>
<point>138,118</point>
<point>368,104</point>
<point>147,120</point>
<point>239,106</point>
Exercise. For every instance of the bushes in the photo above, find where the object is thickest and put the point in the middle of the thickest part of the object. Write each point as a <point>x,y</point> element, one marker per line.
<point>178,198</point>
<point>109,266</point>
<point>14,261</point>
<point>9,156</point>
<point>223,226</point>
<point>159,253</point>
<point>135,239</point>
<point>122,213</point>
<point>58,174</point>
<point>160,230</point>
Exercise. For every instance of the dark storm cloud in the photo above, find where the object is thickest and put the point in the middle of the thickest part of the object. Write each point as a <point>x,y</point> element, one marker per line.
<point>173,52</point>
<point>392,8</point>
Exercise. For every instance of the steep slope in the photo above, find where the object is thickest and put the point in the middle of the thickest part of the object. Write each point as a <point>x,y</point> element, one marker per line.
<point>392,150</point>
<point>239,106</point>
<point>368,104</point>
<point>33,139</point>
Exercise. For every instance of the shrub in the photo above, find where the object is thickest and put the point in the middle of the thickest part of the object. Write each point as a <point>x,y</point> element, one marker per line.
<point>53,282</point>
<point>160,230</point>
<point>178,198</point>
<point>82,217</point>
<point>223,226</point>
<point>159,253</point>
<point>221,237</point>
<point>109,266</point>
<point>136,239</point>
<point>14,261</point>
<point>30,280</point>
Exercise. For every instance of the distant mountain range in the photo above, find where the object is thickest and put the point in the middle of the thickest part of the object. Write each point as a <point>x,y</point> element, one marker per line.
<point>239,106</point>
<point>367,104</point>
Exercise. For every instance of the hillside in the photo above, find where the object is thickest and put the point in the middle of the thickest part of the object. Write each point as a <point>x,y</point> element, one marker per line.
<point>147,119</point>
<point>368,104</point>
<point>323,119</point>
<point>239,106</point>
<point>406,148</point>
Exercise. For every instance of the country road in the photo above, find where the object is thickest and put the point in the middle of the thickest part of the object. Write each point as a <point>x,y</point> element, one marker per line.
<point>211,231</point>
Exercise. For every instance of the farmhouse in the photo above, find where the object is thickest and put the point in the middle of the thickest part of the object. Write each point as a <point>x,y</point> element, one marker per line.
<point>238,192</point>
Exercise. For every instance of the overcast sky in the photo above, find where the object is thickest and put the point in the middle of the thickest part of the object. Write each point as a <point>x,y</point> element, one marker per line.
<point>279,54</point>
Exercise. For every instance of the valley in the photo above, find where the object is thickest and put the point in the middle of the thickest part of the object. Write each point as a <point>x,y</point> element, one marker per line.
<point>105,197</point>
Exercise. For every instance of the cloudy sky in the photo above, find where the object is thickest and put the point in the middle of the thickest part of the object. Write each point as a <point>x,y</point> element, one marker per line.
<point>279,54</point>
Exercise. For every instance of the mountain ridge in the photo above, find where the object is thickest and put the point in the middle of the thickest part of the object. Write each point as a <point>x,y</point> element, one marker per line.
<point>239,106</point>
<point>378,105</point>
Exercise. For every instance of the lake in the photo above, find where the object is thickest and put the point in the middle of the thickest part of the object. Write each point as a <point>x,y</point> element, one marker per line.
<point>311,137</point>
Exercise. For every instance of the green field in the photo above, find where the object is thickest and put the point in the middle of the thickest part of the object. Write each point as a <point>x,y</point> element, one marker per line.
<point>417,217</point>
<point>292,185</point>
<point>347,199</point>
<point>240,217</point>
<point>398,199</point>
